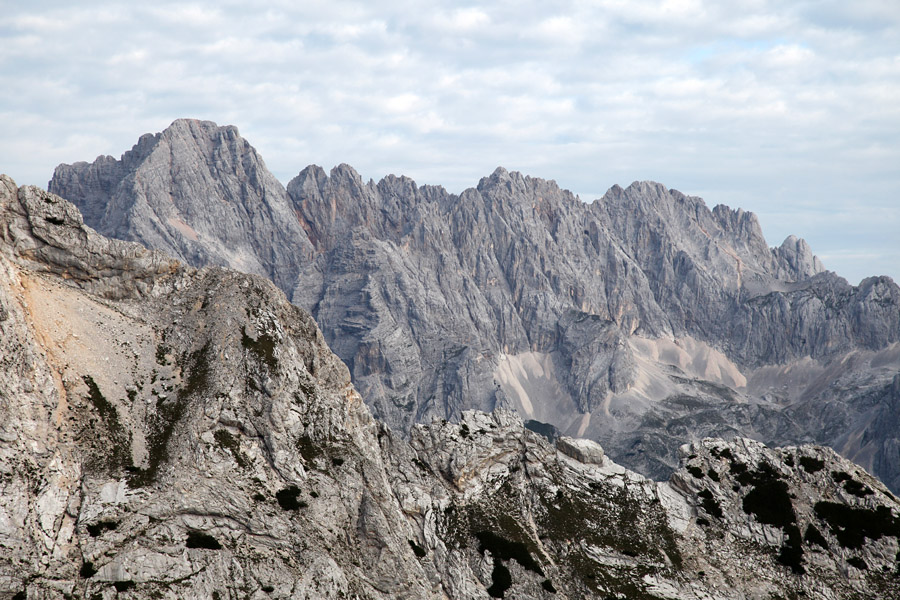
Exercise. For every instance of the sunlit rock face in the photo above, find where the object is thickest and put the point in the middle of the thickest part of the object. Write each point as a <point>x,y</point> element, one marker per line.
<point>196,191</point>
<point>167,432</point>
<point>643,319</point>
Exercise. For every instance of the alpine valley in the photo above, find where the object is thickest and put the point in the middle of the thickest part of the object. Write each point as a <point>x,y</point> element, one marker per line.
<point>216,387</point>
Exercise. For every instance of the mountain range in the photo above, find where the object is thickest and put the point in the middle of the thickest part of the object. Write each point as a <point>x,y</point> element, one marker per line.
<point>171,432</point>
<point>643,319</point>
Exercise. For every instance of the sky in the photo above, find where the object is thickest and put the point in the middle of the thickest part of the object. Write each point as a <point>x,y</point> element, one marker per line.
<point>788,109</point>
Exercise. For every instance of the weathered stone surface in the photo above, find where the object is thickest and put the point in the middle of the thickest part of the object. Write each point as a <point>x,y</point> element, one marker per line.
<point>199,193</point>
<point>643,319</point>
<point>194,437</point>
<point>582,450</point>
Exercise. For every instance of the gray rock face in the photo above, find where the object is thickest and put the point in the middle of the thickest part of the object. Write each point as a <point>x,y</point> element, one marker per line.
<point>173,433</point>
<point>517,294</point>
<point>196,191</point>
<point>642,320</point>
<point>177,433</point>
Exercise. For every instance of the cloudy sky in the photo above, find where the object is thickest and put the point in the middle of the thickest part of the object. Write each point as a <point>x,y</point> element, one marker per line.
<point>789,109</point>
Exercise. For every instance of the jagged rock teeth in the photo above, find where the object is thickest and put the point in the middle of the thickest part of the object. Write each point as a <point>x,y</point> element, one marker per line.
<point>194,437</point>
<point>643,319</point>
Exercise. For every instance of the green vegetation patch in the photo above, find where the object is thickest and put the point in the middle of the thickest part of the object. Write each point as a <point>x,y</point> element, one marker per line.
<point>96,529</point>
<point>852,486</point>
<point>418,550</point>
<point>697,472</point>
<point>840,476</point>
<point>503,549</point>
<point>308,449</point>
<point>495,523</point>
<point>589,519</point>
<point>87,570</point>
<point>289,498</point>
<point>263,347</point>
<point>577,516</point>
<point>117,441</point>
<point>168,413</point>
<point>723,453</point>
<point>501,580</point>
<point>229,442</point>
<point>161,355</point>
<point>546,430</point>
<point>791,554</point>
<point>568,521</point>
<point>198,374</point>
<point>769,501</point>
<point>814,536</point>
<point>710,504</point>
<point>738,469</point>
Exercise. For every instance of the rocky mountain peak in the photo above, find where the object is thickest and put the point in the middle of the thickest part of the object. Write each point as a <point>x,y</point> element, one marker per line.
<point>499,176</point>
<point>515,187</point>
<point>644,319</point>
<point>798,259</point>
<point>174,433</point>
<point>197,191</point>
<point>741,224</point>
<point>345,175</point>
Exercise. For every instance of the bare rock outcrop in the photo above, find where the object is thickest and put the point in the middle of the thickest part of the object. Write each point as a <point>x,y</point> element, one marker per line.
<point>167,432</point>
<point>642,320</point>
<point>197,192</point>
<point>177,433</point>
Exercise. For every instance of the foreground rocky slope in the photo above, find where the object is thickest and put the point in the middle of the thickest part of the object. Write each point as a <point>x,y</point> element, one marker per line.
<point>171,433</point>
<point>643,319</point>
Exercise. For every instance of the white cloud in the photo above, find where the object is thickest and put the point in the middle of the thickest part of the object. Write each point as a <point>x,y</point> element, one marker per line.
<point>464,20</point>
<point>186,15</point>
<point>789,55</point>
<point>754,103</point>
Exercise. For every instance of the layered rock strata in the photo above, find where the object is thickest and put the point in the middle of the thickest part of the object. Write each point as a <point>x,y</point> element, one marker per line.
<point>643,319</point>
<point>170,433</point>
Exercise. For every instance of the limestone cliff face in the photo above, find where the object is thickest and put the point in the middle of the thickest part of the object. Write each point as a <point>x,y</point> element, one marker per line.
<point>196,191</point>
<point>173,433</point>
<point>177,432</point>
<point>643,319</point>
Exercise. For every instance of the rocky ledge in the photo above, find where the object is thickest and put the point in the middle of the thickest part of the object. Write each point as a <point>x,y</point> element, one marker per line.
<point>167,432</point>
